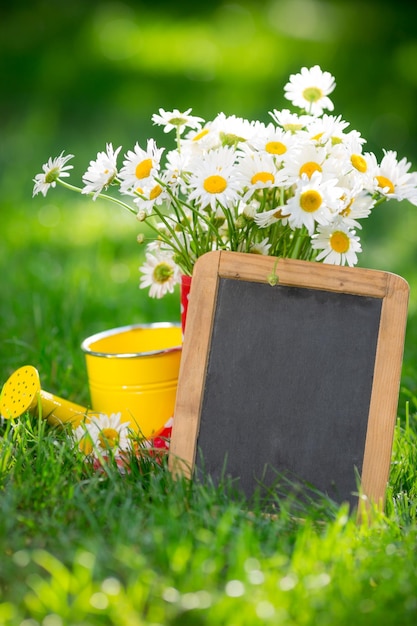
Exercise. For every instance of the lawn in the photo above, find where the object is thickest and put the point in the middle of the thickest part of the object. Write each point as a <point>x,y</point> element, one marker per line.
<point>82,547</point>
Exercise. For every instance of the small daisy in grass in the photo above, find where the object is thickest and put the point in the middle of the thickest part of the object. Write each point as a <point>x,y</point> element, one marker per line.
<point>159,273</point>
<point>338,244</point>
<point>230,183</point>
<point>309,90</point>
<point>101,172</point>
<point>85,439</point>
<point>102,434</point>
<point>53,170</point>
<point>111,433</point>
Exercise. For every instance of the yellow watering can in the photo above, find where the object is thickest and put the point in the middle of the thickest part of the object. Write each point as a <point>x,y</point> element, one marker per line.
<point>132,370</point>
<point>22,393</point>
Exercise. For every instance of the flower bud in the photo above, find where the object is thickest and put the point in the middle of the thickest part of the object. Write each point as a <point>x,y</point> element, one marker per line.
<point>240,222</point>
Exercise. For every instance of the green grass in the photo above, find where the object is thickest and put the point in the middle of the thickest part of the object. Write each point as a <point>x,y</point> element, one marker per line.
<point>79,547</point>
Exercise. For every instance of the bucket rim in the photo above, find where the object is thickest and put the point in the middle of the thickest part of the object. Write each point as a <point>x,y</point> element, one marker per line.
<point>85,345</point>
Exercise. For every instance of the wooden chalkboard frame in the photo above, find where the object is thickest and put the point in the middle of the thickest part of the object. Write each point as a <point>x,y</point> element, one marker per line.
<point>390,288</point>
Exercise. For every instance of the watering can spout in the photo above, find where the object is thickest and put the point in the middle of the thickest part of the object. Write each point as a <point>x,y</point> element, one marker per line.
<point>22,393</point>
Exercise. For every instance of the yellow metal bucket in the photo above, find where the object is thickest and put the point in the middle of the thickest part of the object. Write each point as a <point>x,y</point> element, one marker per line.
<point>133,370</point>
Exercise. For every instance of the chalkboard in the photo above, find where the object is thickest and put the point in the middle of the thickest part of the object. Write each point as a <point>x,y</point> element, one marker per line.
<point>297,379</point>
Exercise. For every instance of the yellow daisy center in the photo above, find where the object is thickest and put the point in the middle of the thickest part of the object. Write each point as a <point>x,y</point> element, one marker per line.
<point>359,163</point>
<point>143,169</point>
<point>201,134</point>
<point>85,445</point>
<point>162,272</point>
<point>215,184</point>
<point>339,241</point>
<point>155,192</point>
<point>310,201</point>
<point>385,182</point>
<point>108,437</point>
<point>317,137</point>
<point>309,168</point>
<point>262,177</point>
<point>275,147</point>
<point>348,209</point>
<point>312,94</point>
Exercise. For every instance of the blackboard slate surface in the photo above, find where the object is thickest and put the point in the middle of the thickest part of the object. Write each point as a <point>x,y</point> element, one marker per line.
<point>269,405</point>
<point>298,378</point>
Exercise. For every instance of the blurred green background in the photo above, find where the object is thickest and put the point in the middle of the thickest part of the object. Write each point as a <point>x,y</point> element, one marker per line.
<point>78,74</point>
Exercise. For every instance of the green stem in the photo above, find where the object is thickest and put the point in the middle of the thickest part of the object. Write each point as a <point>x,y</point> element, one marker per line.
<point>100,195</point>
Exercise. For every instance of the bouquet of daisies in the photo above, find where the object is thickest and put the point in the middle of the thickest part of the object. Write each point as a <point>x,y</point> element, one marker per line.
<point>296,187</point>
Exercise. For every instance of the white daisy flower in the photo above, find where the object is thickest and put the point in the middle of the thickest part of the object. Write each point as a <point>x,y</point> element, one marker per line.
<point>260,247</point>
<point>309,90</point>
<point>140,166</point>
<point>315,201</point>
<point>393,180</point>
<point>327,128</point>
<point>198,142</point>
<point>176,119</point>
<point>110,433</point>
<point>213,179</point>
<point>86,439</point>
<point>52,170</point>
<point>338,244</point>
<point>233,130</point>
<point>356,207</point>
<point>248,209</point>
<point>306,159</point>
<point>352,141</point>
<point>160,273</point>
<point>258,171</point>
<point>272,216</point>
<point>274,141</point>
<point>148,197</point>
<point>176,171</point>
<point>362,163</point>
<point>354,161</point>
<point>101,172</point>
<point>289,121</point>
